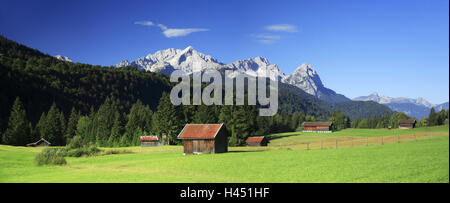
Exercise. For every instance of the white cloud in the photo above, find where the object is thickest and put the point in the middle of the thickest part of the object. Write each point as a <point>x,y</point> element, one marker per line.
<point>265,38</point>
<point>282,28</point>
<point>181,32</point>
<point>146,23</point>
<point>172,32</point>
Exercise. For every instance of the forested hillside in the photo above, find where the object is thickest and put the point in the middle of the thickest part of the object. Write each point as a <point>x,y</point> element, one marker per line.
<point>43,97</point>
<point>59,100</point>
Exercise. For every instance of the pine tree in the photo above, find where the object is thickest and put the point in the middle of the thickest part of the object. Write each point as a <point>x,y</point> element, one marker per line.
<point>53,128</point>
<point>204,114</point>
<point>166,119</point>
<point>139,120</point>
<point>103,121</point>
<point>39,126</point>
<point>72,124</point>
<point>18,131</point>
<point>117,131</point>
<point>84,129</point>
<point>239,121</point>
<point>432,118</point>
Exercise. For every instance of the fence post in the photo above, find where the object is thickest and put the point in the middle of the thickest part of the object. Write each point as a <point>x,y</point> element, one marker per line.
<point>398,138</point>
<point>307,146</point>
<point>336,143</point>
<point>382,140</point>
<point>321,144</point>
<point>367,141</point>
<point>351,141</point>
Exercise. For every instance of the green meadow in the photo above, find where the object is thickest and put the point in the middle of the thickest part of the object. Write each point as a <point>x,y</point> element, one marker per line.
<point>422,161</point>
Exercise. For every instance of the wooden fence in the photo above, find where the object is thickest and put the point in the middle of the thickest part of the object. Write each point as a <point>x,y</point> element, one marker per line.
<point>346,142</point>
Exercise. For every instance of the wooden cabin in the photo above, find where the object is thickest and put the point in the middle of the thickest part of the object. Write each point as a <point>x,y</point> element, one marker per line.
<point>40,143</point>
<point>204,138</point>
<point>406,124</point>
<point>317,126</point>
<point>150,141</point>
<point>257,141</point>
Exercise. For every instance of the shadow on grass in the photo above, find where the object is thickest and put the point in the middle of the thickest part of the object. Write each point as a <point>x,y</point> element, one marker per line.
<point>239,151</point>
<point>278,137</point>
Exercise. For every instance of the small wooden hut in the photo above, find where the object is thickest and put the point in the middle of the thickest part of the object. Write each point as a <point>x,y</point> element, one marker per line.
<point>40,143</point>
<point>150,141</point>
<point>204,138</point>
<point>317,126</point>
<point>406,124</point>
<point>257,141</point>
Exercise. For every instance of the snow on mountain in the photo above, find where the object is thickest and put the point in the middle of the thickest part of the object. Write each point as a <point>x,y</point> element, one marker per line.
<point>305,78</point>
<point>257,66</point>
<point>63,58</point>
<point>166,61</point>
<point>412,107</point>
<point>443,106</point>
<point>170,59</point>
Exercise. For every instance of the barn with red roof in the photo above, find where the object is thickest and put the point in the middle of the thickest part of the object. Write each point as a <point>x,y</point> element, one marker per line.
<point>204,138</point>
<point>257,141</point>
<point>150,141</point>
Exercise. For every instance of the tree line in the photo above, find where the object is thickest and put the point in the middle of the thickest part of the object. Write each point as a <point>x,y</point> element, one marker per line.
<point>112,125</point>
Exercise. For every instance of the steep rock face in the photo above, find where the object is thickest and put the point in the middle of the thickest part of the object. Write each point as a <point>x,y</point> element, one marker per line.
<point>307,79</point>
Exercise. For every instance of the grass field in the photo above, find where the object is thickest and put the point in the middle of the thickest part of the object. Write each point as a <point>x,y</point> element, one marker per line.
<point>421,161</point>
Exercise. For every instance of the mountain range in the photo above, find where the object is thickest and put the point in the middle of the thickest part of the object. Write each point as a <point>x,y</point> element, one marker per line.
<point>417,108</point>
<point>169,60</point>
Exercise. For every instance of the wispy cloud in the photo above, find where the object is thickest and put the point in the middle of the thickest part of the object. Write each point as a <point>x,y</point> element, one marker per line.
<point>181,32</point>
<point>146,23</point>
<point>265,38</point>
<point>172,32</point>
<point>282,28</point>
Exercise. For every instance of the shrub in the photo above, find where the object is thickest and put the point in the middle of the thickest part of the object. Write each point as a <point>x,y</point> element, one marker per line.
<point>85,150</point>
<point>75,142</point>
<point>76,148</point>
<point>51,156</point>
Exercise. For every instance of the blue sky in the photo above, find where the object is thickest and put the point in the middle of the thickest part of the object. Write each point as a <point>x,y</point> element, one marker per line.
<point>397,48</point>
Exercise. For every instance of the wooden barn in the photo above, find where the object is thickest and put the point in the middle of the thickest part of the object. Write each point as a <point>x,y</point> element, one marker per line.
<point>317,126</point>
<point>40,143</point>
<point>406,124</point>
<point>150,141</point>
<point>257,141</point>
<point>204,138</point>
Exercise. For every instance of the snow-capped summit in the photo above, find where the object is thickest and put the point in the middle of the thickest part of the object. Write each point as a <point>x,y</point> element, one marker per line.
<point>412,107</point>
<point>386,100</point>
<point>63,58</point>
<point>306,78</point>
<point>257,66</point>
<point>166,61</point>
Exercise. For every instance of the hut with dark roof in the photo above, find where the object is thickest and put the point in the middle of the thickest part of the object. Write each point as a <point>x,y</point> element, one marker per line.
<point>40,143</point>
<point>257,141</point>
<point>204,138</point>
<point>406,124</point>
<point>317,126</point>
